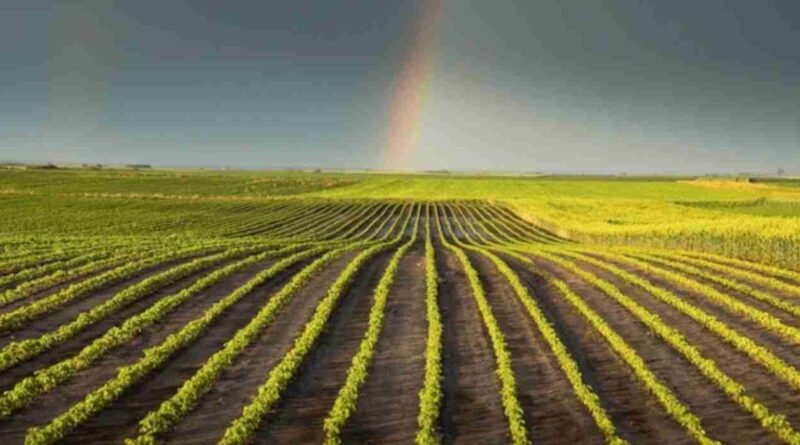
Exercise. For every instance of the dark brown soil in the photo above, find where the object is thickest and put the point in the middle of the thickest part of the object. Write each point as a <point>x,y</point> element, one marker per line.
<point>224,402</point>
<point>121,419</point>
<point>298,416</point>
<point>388,402</point>
<point>551,411</point>
<point>56,402</point>
<point>74,345</point>
<point>722,418</point>
<point>471,408</point>
<point>759,382</point>
<point>638,416</point>
<point>45,322</point>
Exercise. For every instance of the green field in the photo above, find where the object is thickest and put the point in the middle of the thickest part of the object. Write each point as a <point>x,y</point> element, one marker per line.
<point>164,306</point>
<point>758,221</point>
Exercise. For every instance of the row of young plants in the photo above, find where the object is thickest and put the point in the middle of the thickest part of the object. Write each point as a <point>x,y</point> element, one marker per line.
<point>762,318</point>
<point>744,344</point>
<point>278,213</point>
<point>534,233</point>
<point>508,386</point>
<point>360,230</point>
<point>430,396</point>
<point>61,276</point>
<point>242,428</point>
<point>34,261</point>
<point>756,352</point>
<point>777,272</point>
<point>44,380</point>
<point>775,423</point>
<point>44,269</point>
<point>18,351</point>
<point>174,409</point>
<point>566,362</point>
<point>583,391</point>
<point>511,234</point>
<point>677,264</point>
<point>306,222</point>
<point>18,317</point>
<point>152,359</point>
<point>346,400</point>
<point>350,225</point>
<point>340,225</point>
<point>662,393</point>
<point>753,277</point>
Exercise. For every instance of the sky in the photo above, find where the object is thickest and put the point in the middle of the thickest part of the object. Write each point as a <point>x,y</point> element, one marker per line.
<point>605,86</point>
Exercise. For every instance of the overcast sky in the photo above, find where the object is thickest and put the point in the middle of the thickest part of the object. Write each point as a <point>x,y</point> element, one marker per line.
<point>548,85</point>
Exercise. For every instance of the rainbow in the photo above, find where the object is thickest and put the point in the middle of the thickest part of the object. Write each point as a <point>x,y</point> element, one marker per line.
<point>410,88</point>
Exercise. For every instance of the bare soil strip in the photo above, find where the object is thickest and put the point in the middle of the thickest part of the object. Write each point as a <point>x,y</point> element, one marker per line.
<point>226,398</point>
<point>779,346</point>
<point>79,341</point>
<point>471,410</point>
<point>66,313</point>
<point>764,386</point>
<point>153,390</point>
<point>637,415</point>
<point>722,418</point>
<point>298,417</point>
<point>786,317</point>
<point>552,412</point>
<point>388,402</point>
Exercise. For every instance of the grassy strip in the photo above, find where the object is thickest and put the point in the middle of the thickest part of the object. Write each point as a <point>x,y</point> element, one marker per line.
<point>28,288</point>
<point>152,359</point>
<point>508,384</point>
<point>347,398</point>
<point>776,423</point>
<point>25,391</point>
<point>18,351</point>
<point>571,370</point>
<point>661,392</point>
<point>430,397</point>
<point>748,265</point>
<point>669,261</point>
<point>764,319</point>
<point>38,271</point>
<point>242,429</point>
<point>758,353</point>
<point>18,317</point>
<point>753,277</point>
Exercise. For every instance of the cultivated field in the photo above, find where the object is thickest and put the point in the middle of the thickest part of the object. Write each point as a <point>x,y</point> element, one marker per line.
<point>330,308</point>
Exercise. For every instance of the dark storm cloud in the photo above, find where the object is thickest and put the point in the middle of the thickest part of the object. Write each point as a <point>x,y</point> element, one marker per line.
<point>699,85</point>
<point>562,85</point>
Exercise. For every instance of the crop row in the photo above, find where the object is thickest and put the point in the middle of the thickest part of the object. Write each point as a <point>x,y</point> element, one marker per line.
<point>773,422</point>
<point>152,359</point>
<point>508,391</point>
<point>48,378</point>
<point>345,403</point>
<point>279,377</point>
<point>567,364</point>
<point>430,397</point>
<point>18,317</point>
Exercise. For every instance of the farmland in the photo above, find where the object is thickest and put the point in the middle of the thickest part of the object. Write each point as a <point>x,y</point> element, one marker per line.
<point>249,307</point>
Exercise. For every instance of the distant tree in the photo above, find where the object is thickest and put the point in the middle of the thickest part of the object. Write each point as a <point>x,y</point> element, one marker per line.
<point>781,171</point>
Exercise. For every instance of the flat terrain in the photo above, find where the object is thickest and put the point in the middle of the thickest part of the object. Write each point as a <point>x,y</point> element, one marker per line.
<point>204,319</point>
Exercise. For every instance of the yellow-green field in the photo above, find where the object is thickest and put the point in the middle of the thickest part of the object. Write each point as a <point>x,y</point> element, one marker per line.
<point>144,307</point>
